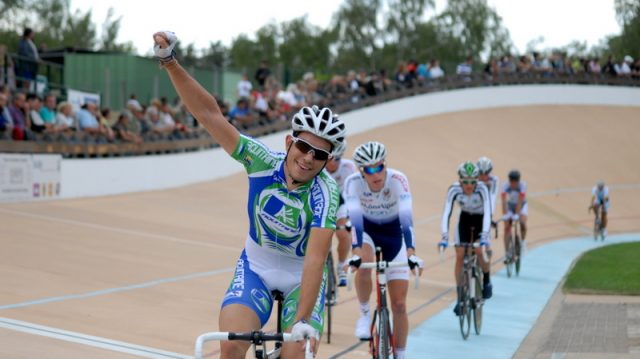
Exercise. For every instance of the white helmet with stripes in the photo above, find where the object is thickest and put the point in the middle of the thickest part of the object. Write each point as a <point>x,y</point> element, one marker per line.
<point>320,122</point>
<point>484,165</point>
<point>369,153</point>
<point>339,151</point>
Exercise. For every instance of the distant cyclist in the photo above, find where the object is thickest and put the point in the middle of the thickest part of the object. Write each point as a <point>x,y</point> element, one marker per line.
<point>514,206</point>
<point>600,202</point>
<point>292,213</point>
<point>380,208</point>
<point>485,167</point>
<point>473,225</point>
<point>340,168</point>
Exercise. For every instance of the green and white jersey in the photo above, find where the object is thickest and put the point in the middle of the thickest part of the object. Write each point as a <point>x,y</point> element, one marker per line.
<point>280,220</point>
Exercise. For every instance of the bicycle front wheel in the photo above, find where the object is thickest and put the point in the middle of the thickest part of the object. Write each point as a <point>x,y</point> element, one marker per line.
<point>330,295</point>
<point>518,253</point>
<point>464,303</point>
<point>383,347</point>
<point>478,302</point>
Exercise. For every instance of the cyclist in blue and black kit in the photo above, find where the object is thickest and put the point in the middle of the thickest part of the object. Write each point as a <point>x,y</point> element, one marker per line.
<point>292,213</point>
<point>379,205</point>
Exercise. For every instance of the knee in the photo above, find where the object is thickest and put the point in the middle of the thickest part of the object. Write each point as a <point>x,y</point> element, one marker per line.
<point>399,307</point>
<point>230,349</point>
<point>363,275</point>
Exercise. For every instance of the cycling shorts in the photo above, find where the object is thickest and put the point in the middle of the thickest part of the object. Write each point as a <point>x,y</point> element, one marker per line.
<point>468,225</point>
<point>398,273</point>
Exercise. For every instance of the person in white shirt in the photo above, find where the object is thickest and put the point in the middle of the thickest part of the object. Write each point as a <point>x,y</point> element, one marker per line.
<point>244,87</point>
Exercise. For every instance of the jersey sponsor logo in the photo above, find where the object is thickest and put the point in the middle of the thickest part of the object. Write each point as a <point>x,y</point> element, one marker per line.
<point>281,221</point>
<point>403,181</point>
<point>236,288</point>
<point>261,154</point>
<point>318,200</point>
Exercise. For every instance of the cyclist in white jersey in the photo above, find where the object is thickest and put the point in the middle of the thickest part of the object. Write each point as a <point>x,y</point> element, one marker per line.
<point>600,199</point>
<point>485,166</point>
<point>514,206</point>
<point>340,168</point>
<point>474,223</point>
<point>379,204</point>
<point>292,211</point>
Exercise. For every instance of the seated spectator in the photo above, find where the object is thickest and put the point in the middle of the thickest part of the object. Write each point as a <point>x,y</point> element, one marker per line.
<point>423,71</point>
<point>6,123</point>
<point>18,110</point>
<point>594,66</point>
<point>624,67</point>
<point>402,76</point>
<point>609,66</point>
<point>524,65</point>
<point>121,130</point>
<point>260,105</point>
<point>635,69</point>
<point>104,117</point>
<point>435,71</point>
<point>354,87</point>
<point>133,100</point>
<point>506,64</point>
<point>65,120</point>
<point>241,114</point>
<point>87,118</point>
<point>244,86</point>
<point>492,68</point>
<point>48,111</point>
<point>135,113</point>
<point>466,68</point>
<point>36,124</point>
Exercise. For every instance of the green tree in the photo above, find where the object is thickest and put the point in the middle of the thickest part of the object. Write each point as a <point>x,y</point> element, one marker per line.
<point>358,32</point>
<point>110,31</point>
<point>403,19</point>
<point>628,15</point>
<point>303,46</point>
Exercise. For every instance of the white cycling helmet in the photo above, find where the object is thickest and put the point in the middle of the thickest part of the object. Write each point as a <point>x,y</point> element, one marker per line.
<point>369,153</point>
<point>484,165</point>
<point>468,170</point>
<point>320,122</point>
<point>600,184</point>
<point>339,151</point>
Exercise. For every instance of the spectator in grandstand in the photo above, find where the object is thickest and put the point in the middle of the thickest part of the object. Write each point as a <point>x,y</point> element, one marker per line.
<point>48,111</point>
<point>492,68</point>
<point>635,69</point>
<point>6,123</point>
<point>260,105</point>
<point>64,117</point>
<point>160,117</point>
<point>18,110</point>
<point>28,58</point>
<point>152,113</point>
<point>506,64</point>
<point>262,73</point>
<point>465,68</point>
<point>133,99</point>
<point>36,124</point>
<point>122,132</point>
<point>609,66</point>
<point>87,118</point>
<point>354,87</point>
<point>403,78</point>
<point>423,71</point>
<point>435,71</point>
<point>244,86</point>
<point>241,115</point>
<point>524,64</point>
<point>136,123</point>
<point>594,66</point>
<point>623,68</point>
<point>104,117</point>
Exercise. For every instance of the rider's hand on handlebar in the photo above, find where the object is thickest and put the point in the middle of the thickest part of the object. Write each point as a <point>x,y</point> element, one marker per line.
<point>506,217</point>
<point>302,331</point>
<point>415,261</point>
<point>444,242</point>
<point>355,261</point>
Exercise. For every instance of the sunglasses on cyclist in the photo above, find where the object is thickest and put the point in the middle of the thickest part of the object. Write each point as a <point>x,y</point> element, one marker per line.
<point>373,170</point>
<point>468,181</point>
<point>305,147</point>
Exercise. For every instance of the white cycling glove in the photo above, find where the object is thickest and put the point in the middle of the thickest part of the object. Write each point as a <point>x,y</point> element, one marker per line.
<point>415,261</point>
<point>165,54</point>
<point>303,330</point>
<point>484,239</point>
<point>506,217</point>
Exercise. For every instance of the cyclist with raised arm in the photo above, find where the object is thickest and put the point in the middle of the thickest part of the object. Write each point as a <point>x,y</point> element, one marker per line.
<point>340,168</point>
<point>380,208</point>
<point>474,223</point>
<point>292,211</point>
<point>514,208</point>
<point>600,202</point>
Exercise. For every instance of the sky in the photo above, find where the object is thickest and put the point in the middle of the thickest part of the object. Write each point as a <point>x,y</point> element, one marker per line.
<point>558,22</point>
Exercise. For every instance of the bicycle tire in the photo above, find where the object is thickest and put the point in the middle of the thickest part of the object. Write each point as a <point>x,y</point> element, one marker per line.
<point>518,251</point>
<point>330,295</point>
<point>465,311</point>
<point>478,303</point>
<point>509,255</point>
<point>596,228</point>
<point>384,335</point>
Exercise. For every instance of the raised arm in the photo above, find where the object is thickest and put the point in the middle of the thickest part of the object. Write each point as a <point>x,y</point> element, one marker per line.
<point>200,103</point>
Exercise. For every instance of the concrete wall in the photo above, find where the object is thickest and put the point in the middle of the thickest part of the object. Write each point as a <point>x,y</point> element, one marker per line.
<point>98,177</point>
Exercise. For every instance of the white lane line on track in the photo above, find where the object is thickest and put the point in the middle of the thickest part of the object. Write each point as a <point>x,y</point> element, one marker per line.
<point>118,230</point>
<point>117,289</point>
<point>98,342</point>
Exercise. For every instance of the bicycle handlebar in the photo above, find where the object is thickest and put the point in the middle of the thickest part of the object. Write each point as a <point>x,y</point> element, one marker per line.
<point>256,338</point>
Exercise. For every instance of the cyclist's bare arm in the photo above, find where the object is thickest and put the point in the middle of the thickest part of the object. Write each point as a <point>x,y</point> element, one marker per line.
<point>315,257</point>
<point>202,105</point>
<point>519,204</point>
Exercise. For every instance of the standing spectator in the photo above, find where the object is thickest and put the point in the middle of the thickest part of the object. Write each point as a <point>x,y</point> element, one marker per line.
<point>244,86</point>
<point>35,120</point>
<point>6,123</point>
<point>28,61</point>
<point>64,119</point>
<point>121,129</point>
<point>466,68</point>
<point>48,111</point>
<point>18,110</point>
<point>435,71</point>
<point>262,73</point>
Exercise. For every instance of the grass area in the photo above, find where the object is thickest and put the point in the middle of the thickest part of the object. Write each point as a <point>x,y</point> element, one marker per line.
<point>613,269</point>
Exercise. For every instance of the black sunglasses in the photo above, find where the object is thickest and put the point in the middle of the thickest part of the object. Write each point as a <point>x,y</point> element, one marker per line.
<point>305,147</point>
<point>468,181</point>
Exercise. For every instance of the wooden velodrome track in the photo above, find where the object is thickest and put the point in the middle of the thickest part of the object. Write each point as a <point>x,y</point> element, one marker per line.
<point>151,268</point>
